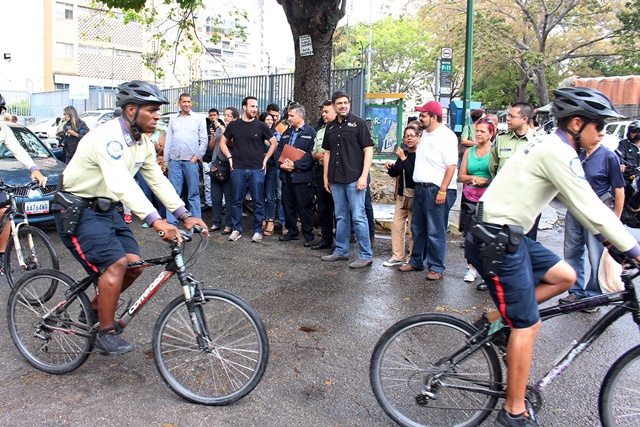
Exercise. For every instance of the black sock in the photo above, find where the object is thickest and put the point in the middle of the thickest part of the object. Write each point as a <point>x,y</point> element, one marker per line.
<point>516,416</point>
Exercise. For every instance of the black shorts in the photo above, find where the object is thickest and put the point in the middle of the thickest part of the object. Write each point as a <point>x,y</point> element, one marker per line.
<point>513,289</point>
<point>101,239</point>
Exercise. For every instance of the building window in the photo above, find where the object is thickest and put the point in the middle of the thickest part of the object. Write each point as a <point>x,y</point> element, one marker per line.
<point>64,50</point>
<point>93,50</point>
<point>64,11</point>
<point>128,54</point>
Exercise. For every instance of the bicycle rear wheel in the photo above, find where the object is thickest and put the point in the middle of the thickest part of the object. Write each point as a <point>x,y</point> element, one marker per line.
<point>37,251</point>
<point>235,354</point>
<point>421,377</point>
<point>619,402</point>
<point>51,339</point>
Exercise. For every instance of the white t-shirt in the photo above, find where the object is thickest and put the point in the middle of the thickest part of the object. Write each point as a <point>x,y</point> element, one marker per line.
<point>436,151</point>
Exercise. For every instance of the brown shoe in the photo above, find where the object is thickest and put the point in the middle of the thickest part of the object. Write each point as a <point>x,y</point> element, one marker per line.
<point>432,275</point>
<point>407,267</point>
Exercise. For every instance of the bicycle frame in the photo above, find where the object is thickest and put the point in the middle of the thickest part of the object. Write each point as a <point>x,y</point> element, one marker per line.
<point>9,216</point>
<point>174,265</point>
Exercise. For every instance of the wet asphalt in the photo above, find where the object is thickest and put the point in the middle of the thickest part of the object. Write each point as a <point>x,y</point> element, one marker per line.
<point>323,320</point>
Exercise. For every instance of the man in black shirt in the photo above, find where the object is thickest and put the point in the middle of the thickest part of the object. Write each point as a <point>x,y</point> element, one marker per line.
<point>347,158</point>
<point>248,165</point>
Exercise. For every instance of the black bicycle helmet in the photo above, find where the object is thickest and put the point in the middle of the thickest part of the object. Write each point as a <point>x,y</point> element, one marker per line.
<point>3,104</point>
<point>584,102</point>
<point>139,92</point>
<point>634,126</point>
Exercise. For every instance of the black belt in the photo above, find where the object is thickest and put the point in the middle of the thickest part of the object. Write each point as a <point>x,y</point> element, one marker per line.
<point>426,184</point>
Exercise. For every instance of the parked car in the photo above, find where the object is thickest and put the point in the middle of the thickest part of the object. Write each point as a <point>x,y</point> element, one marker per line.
<point>35,203</point>
<point>46,130</point>
<point>618,129</point>
<point>94,118</point>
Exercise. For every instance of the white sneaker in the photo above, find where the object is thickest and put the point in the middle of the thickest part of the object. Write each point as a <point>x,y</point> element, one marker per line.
<point>235,235</point>
<point>471,275</point>
<point>257,238</point>
<point>392,263</point>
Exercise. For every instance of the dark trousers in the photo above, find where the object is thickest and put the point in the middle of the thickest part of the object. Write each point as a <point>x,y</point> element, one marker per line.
<point>325,209</point>
<point>297,201</point>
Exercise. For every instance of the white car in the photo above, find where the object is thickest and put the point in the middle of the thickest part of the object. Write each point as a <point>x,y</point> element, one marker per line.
<point>94,118</point>
<point>618,129</point>
<point>46,130</point>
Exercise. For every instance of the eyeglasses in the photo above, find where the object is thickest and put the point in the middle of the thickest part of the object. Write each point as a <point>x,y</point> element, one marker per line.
<point>485,120</point>
<point>600,124</point>
<point>410,136</point>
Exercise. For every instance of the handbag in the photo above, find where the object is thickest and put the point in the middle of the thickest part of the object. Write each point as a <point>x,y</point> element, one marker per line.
<point>220,169</point>
<point>407,195</point>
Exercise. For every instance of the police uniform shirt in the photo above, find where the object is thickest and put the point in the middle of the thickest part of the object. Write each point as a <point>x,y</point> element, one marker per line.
<point>505,147</point>
<point>104,166</point>
<point>541,170</point>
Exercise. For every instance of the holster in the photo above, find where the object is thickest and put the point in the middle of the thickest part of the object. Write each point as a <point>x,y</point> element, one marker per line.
<point>496,240</point>
<point>70,214</point>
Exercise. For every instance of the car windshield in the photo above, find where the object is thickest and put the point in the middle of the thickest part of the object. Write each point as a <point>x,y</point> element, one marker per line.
<point>29,142</point>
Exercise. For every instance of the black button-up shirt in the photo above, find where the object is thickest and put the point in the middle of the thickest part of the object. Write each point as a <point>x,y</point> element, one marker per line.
<point>346,141</point>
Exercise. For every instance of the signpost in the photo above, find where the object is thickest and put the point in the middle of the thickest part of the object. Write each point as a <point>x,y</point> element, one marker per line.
<point>445,76</point>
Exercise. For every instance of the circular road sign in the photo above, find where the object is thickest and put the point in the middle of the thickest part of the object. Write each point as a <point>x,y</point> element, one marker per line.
<point>447,53</point>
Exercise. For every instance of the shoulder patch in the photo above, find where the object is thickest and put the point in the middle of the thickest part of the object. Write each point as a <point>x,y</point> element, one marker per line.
<point>114,149</point>
<point>576,167</point>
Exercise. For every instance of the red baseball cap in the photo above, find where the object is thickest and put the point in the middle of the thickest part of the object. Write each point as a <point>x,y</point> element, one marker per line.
<point>432,107</point>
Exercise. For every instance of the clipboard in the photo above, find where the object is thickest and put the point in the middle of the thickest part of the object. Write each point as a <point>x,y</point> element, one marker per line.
<point>291,153</point>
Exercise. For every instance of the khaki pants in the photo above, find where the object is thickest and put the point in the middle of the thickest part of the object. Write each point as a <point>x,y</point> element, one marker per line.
<point>399,230</point>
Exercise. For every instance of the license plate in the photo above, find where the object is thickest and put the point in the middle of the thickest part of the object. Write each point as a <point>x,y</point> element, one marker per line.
<point>36,207</point>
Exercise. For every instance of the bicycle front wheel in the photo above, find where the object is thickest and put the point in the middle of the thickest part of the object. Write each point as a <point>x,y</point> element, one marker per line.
<point>619,402</point>
<point>47,333</point>
<point>423,373</point>
<point>37,253</point>
<point>232,359</point>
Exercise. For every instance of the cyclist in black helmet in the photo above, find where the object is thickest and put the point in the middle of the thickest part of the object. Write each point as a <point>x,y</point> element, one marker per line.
<point>520,272</point>
<point>99,175</point>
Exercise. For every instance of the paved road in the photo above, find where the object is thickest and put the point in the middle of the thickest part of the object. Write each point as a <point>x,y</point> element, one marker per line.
<point>323,321</point>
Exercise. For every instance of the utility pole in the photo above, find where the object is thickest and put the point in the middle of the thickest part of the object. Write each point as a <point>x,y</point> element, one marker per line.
<point>468,66</point>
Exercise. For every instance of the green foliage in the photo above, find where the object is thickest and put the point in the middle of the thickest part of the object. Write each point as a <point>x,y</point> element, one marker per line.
<point>173,25</point>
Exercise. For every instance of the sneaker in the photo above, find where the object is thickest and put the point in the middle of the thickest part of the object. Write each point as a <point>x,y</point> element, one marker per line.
<point>257,238</point>
<point>145,225</point>
<point>505,419</point>
<point>470,277</point>
<point>128,219</point>
<point>569,299</point>
<point>392,263</point>
<point>235,236</point>
<point>361,263</point>
<point>334,257</point>
<point>110,344</point>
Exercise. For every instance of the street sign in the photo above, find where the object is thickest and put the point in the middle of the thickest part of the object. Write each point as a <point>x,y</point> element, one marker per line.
<point>447,53</point>
<point>445,75</point>
<point>445,66</point>
<point>306,46</point>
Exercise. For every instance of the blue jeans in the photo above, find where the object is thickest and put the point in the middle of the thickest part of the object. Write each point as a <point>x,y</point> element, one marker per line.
<point>429,228</point>
<point>349,200</point>
<point>185,170</point>
<point>270,182</point>
<point>576,240</point>
<point>239,180</point>
<point>279,199</point>
<point>152,197</point>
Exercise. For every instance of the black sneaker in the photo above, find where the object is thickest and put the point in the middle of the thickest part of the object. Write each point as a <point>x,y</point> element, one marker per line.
<point>110,344</point>
<point>502,339</point>
<point>505,419</point>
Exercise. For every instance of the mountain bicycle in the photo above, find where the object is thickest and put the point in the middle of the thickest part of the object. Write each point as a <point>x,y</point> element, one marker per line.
<point>29,248</point>
<point>209,346</point>
<point>437,370</point>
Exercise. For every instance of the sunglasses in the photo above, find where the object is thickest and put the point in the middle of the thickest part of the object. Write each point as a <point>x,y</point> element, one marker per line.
<point>600,124</point>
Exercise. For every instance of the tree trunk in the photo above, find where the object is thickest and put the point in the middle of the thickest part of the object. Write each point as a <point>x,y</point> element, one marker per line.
<point>524,80</point>
<point>541,89</point>
<point>312,76</point>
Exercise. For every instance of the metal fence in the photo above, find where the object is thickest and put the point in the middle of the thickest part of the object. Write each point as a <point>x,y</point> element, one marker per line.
<point>206,94</point>
<point>17,102</point>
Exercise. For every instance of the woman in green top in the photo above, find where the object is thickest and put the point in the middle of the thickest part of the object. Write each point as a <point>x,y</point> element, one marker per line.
<point>474,174</point>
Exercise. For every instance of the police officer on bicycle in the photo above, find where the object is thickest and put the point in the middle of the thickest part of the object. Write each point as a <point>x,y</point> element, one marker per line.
<point>520,272</point>
<point>8,139</point>
<point>101,174</point>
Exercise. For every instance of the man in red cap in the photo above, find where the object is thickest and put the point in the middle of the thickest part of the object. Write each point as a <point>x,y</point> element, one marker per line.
<point>435,191</point>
